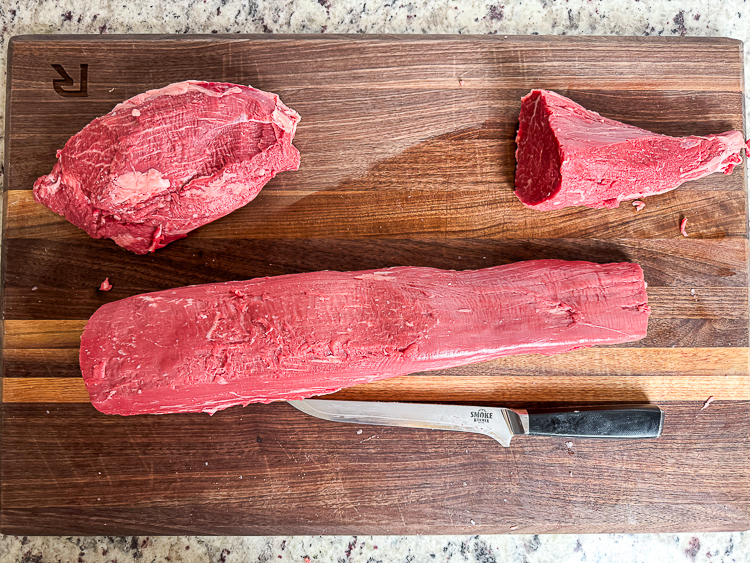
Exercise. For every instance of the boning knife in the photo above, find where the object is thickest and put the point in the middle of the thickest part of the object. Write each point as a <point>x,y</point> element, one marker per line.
<point>610,421</point>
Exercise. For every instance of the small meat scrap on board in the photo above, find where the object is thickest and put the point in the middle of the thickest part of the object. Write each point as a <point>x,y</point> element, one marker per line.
<point>683,227</point>
<point>208,347</point>
<point>567,155</point>
<point>170,160</point>
<point>105,285</point>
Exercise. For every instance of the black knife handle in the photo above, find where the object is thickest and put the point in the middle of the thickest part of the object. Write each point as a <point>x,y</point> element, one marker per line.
<point>613,421</point>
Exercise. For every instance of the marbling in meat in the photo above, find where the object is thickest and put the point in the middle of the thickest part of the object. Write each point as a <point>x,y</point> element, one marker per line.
<point>567,155</point>
<point>170,160</point>
<point>208,347</point>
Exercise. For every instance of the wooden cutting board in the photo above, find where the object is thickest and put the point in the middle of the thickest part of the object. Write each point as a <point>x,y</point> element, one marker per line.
<point>407,159</point>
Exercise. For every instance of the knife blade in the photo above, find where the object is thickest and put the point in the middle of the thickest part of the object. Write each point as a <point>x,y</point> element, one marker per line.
<point>501,424</point>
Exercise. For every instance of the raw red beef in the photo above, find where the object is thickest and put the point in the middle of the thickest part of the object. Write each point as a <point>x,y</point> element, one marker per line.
<point>170,160</point>
<point>208,347</point>
<point>568,156</point>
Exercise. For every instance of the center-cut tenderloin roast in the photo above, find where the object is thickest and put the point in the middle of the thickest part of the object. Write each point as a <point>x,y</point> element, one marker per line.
<point>208,347</point>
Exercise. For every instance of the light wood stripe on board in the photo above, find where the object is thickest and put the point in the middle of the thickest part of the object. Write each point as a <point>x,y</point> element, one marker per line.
<point>591,362</point>
<point>43,334</point>
<point>605,360</point>
<point>462,389</point>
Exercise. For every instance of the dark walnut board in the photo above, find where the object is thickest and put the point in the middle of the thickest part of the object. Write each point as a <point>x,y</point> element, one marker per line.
<point>402,164</point>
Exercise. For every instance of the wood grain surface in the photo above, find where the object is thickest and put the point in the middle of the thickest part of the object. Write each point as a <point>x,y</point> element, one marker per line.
<point>407,159</point>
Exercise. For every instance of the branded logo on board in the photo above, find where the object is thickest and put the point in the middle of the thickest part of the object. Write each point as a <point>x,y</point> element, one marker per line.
<point>481,416</point>
<point>66,80</point>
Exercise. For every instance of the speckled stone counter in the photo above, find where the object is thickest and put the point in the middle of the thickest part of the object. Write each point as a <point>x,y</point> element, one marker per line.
<point>638,548</point>
<point>579,17</point>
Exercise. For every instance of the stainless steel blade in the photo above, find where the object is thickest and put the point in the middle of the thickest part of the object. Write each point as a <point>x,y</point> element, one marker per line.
<point>498,423</point>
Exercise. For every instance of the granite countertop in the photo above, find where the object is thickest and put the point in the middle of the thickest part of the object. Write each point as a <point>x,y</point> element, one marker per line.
<point>571,17</point>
